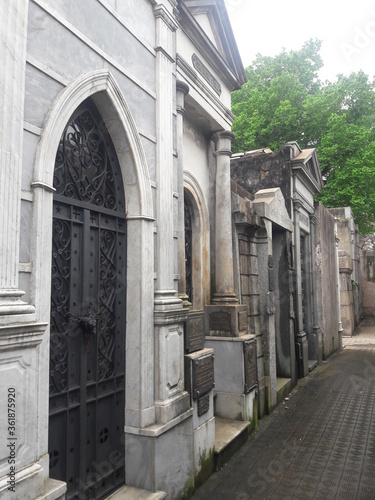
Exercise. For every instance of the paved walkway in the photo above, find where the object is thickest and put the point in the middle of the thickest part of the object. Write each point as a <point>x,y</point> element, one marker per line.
<point>320,443</point>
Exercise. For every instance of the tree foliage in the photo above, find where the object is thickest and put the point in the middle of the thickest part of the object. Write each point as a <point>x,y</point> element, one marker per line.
<point>285,100</point>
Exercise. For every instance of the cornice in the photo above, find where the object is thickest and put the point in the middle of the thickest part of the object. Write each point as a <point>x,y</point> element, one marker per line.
<point>160,12</point>
<point>185,67</point>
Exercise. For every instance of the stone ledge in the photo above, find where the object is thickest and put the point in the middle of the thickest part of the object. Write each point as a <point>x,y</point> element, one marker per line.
<point>130,493</point>
<point>53,490</point>
<point>156,430</point>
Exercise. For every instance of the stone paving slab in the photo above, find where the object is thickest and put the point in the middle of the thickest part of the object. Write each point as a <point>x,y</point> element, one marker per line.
<point>319,444</point>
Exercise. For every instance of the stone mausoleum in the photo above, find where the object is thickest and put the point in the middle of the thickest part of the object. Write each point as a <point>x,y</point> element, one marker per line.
<point>156,297</point>
<point>116,245</point>
<point>292,264</point>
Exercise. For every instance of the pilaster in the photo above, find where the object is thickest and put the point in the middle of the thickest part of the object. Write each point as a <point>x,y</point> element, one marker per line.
<point>13,35</point>
<point>316,327</point>
<point>171,399</point>
<point>182,90</point>
<point>301,337</point>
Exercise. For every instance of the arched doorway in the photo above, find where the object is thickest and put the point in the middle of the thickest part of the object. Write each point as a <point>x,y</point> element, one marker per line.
<point>88,311</point>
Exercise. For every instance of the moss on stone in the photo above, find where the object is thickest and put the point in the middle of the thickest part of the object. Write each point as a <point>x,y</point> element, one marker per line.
<point>206,467</point>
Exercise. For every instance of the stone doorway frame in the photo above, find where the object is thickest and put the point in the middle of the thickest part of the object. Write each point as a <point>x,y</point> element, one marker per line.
<point>101,86</point>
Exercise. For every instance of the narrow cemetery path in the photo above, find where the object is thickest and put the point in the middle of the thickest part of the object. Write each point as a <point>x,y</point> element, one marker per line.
<point>318,444</point>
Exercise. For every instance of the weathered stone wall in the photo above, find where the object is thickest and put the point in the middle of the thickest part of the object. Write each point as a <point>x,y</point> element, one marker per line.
<point>351,305</point>
<point>279,286</point>
<point>368,275</point>
<point>326,281</point>
<point>264,171</point>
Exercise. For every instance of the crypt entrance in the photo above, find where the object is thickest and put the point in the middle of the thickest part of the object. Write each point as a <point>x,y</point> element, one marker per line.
<point>88,311</point>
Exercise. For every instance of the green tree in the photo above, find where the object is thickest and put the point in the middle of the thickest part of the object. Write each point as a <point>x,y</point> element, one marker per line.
<point>284,100</point>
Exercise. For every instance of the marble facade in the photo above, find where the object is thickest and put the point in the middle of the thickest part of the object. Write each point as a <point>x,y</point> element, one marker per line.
<point>159,74</point>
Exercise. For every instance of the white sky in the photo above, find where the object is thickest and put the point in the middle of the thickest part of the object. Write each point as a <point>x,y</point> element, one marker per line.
<point>347,29</point>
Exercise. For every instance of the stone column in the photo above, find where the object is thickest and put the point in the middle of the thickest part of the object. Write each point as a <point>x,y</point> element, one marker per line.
<point>13,35</point>
<point>226,317</point>
<point>297,260</point>
<point>181,90</point>
<point>224,284</point>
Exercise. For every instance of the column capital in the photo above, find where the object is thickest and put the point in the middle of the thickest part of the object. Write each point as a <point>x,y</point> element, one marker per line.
<point>182,89</point>
<point>223,135</point>
<point>223,140</point>
<point>297,205</point>
<point>161,12</point>
<point>313,219</point>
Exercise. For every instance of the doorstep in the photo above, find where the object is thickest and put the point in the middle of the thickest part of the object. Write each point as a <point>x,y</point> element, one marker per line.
<point>230,435</point>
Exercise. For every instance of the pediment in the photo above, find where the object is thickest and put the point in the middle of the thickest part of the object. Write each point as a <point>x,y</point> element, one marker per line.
<point>305,163</point>
<point>308,161</point>
<point>207,23</point>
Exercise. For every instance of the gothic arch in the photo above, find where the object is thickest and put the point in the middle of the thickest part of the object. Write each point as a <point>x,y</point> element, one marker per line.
<point>102,87</point>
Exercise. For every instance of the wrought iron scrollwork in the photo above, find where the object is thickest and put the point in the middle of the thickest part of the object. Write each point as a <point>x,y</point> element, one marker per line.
<point>83,169</point>
<point>61,256</point>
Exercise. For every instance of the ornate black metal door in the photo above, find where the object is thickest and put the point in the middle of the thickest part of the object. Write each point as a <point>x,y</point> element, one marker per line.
<point>88,299</point>
<point>188,250</point>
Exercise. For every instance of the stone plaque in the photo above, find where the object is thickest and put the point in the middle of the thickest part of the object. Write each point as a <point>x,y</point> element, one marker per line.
<point>242,320</point>
<point>250,361</point>
<point>194,333</point>
<point>220,321</point>
<point>203,404</point>
<point>203,375</point>
<point>206,73</point>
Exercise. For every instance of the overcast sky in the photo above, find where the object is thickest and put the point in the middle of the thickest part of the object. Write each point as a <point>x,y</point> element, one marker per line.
<point>347,29</point>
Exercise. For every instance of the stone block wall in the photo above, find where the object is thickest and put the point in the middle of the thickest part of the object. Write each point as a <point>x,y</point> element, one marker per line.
<point>368,275</point>
<point>247,273</point>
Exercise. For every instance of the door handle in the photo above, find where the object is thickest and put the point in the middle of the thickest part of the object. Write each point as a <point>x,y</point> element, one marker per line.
<point>88,322</point>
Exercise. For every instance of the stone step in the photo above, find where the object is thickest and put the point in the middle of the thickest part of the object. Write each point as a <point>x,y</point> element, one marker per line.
<point>130,493</point>
<point>284,387</point>
<point>313,363</point>
<point>230,435</point>
<point>53,490</point>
